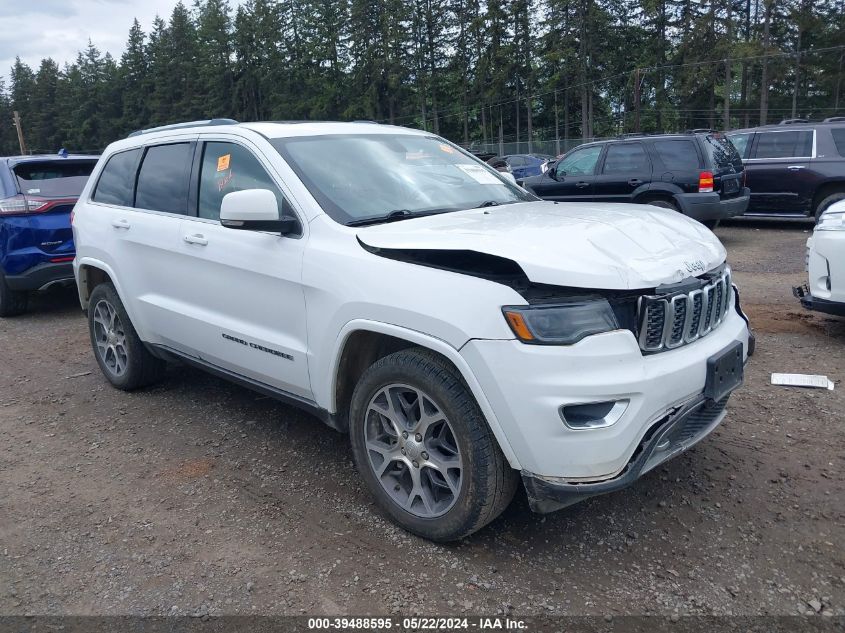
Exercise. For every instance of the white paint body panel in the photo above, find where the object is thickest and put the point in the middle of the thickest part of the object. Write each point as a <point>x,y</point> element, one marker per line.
<point>826,262</point>
<point>304,297</point>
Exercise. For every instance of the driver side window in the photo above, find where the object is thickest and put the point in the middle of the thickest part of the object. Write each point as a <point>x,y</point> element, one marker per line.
<point>228,167</point>
<point>581,162</point>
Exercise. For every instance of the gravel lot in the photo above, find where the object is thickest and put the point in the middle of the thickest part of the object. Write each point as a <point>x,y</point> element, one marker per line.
<point>199,497</point>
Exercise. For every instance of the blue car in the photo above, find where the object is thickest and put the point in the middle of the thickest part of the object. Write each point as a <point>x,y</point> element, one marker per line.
<point>37,194</point>
<point>521,165</point>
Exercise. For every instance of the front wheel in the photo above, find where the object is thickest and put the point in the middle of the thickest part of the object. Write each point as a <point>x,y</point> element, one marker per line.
<point>120,353</point>
<point>424,449</point>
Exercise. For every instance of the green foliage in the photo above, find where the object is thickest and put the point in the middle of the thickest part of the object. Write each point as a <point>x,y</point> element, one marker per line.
<point>471,70</point>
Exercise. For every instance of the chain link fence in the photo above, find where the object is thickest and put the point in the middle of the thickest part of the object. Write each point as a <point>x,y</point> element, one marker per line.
<point>553,147</point>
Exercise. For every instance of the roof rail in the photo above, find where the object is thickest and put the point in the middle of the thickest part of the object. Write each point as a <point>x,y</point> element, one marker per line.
<point>834,119</point>
<point>793,121</point>
<point>176,126</point>
<point>701,130</point>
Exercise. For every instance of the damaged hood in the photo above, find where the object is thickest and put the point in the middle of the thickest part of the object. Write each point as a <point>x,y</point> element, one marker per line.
<point>587,245</point>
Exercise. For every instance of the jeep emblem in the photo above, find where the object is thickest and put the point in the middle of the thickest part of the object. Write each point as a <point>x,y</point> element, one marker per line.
<point>693,266</point>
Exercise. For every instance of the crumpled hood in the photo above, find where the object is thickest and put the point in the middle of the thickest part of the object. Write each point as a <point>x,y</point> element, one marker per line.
<point>587,245</point>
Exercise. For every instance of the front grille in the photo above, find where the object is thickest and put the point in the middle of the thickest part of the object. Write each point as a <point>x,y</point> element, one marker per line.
<point>674,319</point>
<point>698,421</point>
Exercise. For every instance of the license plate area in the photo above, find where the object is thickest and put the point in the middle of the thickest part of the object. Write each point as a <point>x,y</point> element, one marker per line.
<point>730,185</point>
<point>724,372</point>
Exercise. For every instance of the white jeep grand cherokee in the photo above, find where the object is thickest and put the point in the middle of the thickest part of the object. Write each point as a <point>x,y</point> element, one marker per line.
<point>464,333</point>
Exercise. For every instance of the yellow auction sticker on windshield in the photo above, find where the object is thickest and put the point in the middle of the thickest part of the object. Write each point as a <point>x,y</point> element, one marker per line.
<point>223,162</point>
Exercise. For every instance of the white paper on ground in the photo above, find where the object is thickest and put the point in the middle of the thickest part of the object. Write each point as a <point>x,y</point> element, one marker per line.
<point>802,380</point>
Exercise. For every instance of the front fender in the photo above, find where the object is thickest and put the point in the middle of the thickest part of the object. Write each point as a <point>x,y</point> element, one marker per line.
<point>326,388</point>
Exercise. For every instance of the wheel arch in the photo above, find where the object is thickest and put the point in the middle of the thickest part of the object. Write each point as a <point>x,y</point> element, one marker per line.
<point>361,343</point>
<point>658,191</point>
<point>824,190</point>
<point>90,273</point>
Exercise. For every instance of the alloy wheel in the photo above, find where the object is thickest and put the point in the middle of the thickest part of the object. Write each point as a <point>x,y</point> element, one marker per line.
<point>110,338</point>
<point>412,450</point>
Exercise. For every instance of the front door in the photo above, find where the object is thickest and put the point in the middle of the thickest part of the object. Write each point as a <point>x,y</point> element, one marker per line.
<point>572,177</point>
<point>244,308</point>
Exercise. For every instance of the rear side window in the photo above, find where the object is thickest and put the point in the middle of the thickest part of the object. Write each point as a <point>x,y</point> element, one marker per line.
<point>117,182</point>
<point>163,179</point>
<point>792,144</point>
<point>53,179</point>
<point>721,151</point>
<point>839,139</point>
<point>625,158</point>
<point>678,154</point>
<point>740,142</point>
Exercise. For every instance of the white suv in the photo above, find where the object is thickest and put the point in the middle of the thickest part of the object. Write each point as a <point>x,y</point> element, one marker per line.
<point>825,291</point>
<point>464,333</point>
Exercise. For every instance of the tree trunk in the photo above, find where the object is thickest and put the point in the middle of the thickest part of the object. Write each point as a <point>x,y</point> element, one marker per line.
<point>764,75</point>
<point>729,29</point>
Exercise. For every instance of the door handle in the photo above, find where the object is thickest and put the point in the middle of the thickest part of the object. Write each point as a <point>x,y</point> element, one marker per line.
<point>634,182</point>
<point>120,224</point>
<point>795,167</point>
<point>582,184</point>
<point>196,238</point>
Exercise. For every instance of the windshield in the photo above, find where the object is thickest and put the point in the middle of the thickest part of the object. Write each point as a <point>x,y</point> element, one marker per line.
<point>53,179</point>
<point>356,177</point>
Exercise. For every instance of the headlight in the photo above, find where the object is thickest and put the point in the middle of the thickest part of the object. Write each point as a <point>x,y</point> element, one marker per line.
<point>561,323</point>
<point>834,221</point>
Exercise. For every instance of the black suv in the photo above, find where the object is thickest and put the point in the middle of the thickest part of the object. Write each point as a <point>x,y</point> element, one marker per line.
<point>794,168</point>
<point>698,173</point>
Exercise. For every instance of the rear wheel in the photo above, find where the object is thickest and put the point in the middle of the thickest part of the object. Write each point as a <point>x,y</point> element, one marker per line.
<point>424,449</point>
<point>12,302</point>
<point>663,204</point>
<point>827,201</point>
<point>121,355</point>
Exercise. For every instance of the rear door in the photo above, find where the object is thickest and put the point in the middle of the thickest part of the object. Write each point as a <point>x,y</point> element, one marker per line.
<point>777,172</point>
<point>141,224</point>
<point>626,171</point>
<point>572,177</point>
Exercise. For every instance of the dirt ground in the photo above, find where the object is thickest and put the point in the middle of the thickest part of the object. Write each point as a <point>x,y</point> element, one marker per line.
<point>199,497</point>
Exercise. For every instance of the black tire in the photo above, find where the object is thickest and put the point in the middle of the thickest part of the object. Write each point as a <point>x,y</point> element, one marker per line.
<point>663,204</point>
<point>827,201</point>
<point>141,368</point>
<point>488,483</point>
<point>12,302</point>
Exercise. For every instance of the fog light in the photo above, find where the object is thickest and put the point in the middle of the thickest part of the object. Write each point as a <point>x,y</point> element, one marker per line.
<point>592,415</point>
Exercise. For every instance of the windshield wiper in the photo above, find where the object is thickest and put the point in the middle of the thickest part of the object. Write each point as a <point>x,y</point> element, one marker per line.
<point>395,216</point>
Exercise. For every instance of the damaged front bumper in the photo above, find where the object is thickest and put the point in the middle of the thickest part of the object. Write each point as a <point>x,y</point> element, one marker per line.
<point>673,433</point>
<point>810,302</point>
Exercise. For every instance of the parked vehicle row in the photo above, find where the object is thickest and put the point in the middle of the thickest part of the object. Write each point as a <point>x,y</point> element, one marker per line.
<point>698,174</point>
<point>467,335</point>
<point>521,165</point>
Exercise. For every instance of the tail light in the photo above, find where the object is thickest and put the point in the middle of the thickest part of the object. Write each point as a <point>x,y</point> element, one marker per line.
<point>705,182</point>
<point>20,204</point>
<point>24,205</point>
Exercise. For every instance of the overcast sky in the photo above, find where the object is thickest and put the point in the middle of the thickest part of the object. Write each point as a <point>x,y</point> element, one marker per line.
<point>33,29</point>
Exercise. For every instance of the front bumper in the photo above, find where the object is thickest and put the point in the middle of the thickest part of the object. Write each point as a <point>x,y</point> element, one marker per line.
<point>526,386</point>
<point>810,302</point>
<point>42,276</point>
<point>709,206</point>
<point>673,433</point>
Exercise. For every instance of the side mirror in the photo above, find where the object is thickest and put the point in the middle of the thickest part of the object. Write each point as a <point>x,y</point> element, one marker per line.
<point>509,177</point>
<point>255,210</point>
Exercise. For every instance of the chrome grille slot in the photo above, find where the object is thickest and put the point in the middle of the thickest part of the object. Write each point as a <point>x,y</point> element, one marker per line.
<point>672,320</point>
